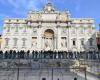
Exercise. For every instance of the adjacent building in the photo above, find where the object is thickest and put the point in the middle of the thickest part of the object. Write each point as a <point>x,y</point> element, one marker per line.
<point>49,29</point>
<point>98,39</point>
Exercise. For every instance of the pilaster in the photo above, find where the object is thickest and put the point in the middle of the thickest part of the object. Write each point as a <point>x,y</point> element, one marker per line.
<point>59,38</point>
<point>39,38</point>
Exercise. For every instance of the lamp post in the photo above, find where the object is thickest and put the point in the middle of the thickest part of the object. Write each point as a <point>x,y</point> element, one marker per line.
<point>98,39</point>
<point>85,73</point>
<point>18,73</point>
<point>18,67</point>
<point>85,65</point>
<point>52,73</point>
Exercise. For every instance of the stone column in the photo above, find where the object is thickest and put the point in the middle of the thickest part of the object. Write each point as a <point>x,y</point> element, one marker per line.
<point>55,42</point>
<point>39,38</point>
<point>59,38</point>
<point>42,44</point>
<point>77,39</point>
<point>69,36</point>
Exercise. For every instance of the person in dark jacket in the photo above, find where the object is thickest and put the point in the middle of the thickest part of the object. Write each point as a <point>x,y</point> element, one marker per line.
<point>75,78</point>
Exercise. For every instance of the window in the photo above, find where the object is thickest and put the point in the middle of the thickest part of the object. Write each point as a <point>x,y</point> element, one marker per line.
<point>6,41</point>
<point>91,42</point>
<point>8,29</point>
<point>74,42</point>
<point>90,30</point>
<point>34,30</point>
<point>25,28</point>
<point>82,41</point>
<point>64,30</point>
<point>15,41</point>
<point>16,26</point>
<point>73,31</point>
<point>82,30</point>
<point>24,42</point>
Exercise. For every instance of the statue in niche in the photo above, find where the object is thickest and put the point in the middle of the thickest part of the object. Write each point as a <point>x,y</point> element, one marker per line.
<point>47,45</point>
<point>34,44</point>
<point>34,31</point>
<point>63,43</point>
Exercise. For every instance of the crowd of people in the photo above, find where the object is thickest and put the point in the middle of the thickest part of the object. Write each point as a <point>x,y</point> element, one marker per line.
<point>12,54</point>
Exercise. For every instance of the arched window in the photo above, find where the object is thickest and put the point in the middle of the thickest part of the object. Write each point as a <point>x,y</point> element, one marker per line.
<point>15,41</point>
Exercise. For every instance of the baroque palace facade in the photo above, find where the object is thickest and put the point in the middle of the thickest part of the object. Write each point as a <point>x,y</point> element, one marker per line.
<point>49,29</point>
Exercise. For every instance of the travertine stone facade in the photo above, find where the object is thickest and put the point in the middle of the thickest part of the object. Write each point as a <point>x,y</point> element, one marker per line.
<point>49,29</point>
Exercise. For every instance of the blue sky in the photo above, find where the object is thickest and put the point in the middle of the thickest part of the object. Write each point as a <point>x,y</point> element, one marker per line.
<point>77,8</point>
